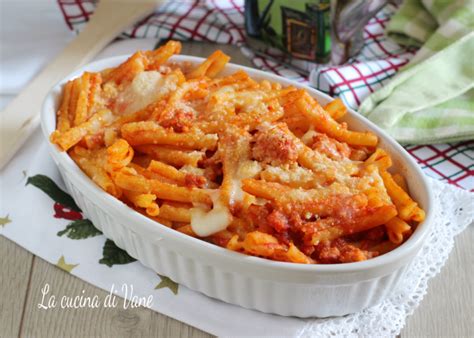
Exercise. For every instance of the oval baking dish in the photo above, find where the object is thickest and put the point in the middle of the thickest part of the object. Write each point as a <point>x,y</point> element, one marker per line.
<point>287,289</point>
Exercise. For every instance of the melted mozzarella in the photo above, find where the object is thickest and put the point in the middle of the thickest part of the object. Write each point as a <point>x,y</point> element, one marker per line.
<point>247,169</point>
<point>208,223</point>
<point>307,138</point>
<point>146,88</point>
<point>250,101</point>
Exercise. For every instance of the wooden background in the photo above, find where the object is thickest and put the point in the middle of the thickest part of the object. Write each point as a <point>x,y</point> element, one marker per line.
<point>447,309</point>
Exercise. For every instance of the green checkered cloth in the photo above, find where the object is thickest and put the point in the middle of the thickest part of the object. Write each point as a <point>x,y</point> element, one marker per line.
<point>432,99</point>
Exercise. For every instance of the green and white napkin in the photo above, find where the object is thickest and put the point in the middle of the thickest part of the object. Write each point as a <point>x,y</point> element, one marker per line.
<point>431,100</point>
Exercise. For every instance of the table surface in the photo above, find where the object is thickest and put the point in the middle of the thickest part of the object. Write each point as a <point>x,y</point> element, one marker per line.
<point>447,309</point>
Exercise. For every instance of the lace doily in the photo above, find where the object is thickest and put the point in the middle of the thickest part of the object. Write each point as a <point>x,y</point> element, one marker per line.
<point>454,213</point>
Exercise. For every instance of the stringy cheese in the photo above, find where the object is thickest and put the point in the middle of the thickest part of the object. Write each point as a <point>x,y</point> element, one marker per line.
<point>247,169</point>
<point>208,223</point>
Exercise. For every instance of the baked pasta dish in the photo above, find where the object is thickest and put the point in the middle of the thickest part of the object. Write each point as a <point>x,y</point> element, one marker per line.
<point>248,165</point>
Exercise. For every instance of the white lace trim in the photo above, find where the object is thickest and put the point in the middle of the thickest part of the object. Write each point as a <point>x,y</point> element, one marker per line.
<point>455,212</point>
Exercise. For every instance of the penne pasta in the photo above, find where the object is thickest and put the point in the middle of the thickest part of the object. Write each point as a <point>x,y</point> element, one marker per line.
<point>407,208</point>
<point>176,214</point>
<point>323,122</point>
<point>146,201</point>
<point>396,227</point>
<point>150,132</point>
<point>247,165</point>
<point>159,56</point>
<point>64,122</point>
<point>133,181</point>
<point>172,156</point>
<point>211,67</point>
<point>336,109</point>
<point>94,169</point>
<point>380,158</point>
<point>74,135</point>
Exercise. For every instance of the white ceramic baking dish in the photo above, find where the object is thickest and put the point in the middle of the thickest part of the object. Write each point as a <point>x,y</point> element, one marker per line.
<point>276,287</point>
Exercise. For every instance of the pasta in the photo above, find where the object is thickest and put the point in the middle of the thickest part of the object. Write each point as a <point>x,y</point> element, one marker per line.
<point>249,166</point>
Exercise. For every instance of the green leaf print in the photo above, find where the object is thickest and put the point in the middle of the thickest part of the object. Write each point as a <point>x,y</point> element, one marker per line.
<point>112,255</point>
<point>50,188</point>
<point>80,229</point>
